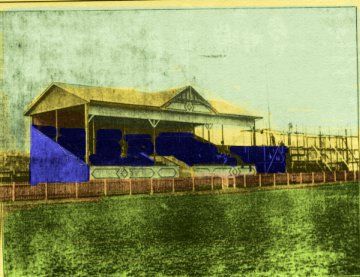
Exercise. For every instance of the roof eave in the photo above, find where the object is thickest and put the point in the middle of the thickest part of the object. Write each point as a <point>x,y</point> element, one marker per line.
<point>33,103</point>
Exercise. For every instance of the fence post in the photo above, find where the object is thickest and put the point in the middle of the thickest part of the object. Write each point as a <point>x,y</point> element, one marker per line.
<point>173,185</point>
<point>354,175</point>
<point>312,178</point>
<point>130,188</point>
<point>234,185</point>
<point>324,177</point>
<point>105,187</point>
<point>76,190</point>
<point>151,186</point>
<point>335,176</point>
<point>244,180</point>
<point>2,216</point>
<point>259,180</point>
<point>274,180</point>
<point>46,191</point>
<point>288,178</point>
<point>212,182</point>
<point>13,191</point>
<point>345,176</point>
<point>193,183</point>
<point>301,179</point>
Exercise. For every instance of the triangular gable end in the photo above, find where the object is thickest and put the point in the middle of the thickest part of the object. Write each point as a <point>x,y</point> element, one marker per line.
<point>189,100</point>
<point>54,98</point>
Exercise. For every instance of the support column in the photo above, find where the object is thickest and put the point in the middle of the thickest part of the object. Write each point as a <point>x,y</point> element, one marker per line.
<point>86,126</point>
<point>93,136</point>
<point>208,127</point>
<point>56,126</point>
<point>222,135</point>
<point>254,134</point>
<point>154,123</point>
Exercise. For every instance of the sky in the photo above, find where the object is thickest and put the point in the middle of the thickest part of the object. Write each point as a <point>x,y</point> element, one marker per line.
<point>301,63</point>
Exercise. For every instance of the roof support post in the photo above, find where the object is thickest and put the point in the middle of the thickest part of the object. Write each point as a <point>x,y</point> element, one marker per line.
<point>222,134</point>
<point>208,127</point>
<point>56,126</point>
<point>86,127</point>
<point>154,123</point>
<point>254,134</point>
<point>93,135</point>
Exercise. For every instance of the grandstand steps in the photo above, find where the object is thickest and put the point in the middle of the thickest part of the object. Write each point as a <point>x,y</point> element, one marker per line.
<point>185,170</point>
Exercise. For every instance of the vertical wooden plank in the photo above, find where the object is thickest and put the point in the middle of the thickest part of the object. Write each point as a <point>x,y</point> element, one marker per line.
<point>324,177</point>
<point>288,178</point>
<point>345,176</point>
<point>76,190</point>
<point>13,191</point>
<point>301,179</point>
<point>130,190</point>
<point>2,216</point>
<point>46,191</point>
<point>312,178</point>
<point>105,187</point>
<point>335,176</point>
<point>212,182</point>
<point>173,185</point>
<point>259,180</point>
<point>274,179</point>
<point>234,184</point>
<point>193,183</point>
<point>151,186</point>
<point>244,180</point>
<point>354,177</point>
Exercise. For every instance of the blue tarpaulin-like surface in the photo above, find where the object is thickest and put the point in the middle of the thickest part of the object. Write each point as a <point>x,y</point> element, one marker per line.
<point>267,159</point>
<point>108,149</point>
<point>49,162</point>
<point>185,147</point>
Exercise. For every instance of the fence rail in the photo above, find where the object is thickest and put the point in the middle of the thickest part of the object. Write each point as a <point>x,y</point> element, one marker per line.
<point>109,187</point>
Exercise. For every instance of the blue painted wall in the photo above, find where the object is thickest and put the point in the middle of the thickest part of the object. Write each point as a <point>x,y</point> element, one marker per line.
<point>50,162</point>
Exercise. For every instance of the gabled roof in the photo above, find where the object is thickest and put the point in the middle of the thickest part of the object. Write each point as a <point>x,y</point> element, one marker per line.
<point>224,107</point>
<point>130,96</point>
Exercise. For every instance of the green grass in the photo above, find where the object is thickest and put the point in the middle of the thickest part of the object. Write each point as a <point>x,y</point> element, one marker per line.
<point>293,232</point>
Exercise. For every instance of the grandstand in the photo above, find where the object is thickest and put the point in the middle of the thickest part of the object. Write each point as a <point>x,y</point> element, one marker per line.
<point>84,132</point>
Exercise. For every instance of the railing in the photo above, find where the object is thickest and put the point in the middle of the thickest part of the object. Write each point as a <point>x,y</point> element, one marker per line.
<point>109,187</point>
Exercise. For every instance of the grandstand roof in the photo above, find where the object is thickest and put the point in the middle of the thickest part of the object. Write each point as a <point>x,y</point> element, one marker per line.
<point>62,95</point>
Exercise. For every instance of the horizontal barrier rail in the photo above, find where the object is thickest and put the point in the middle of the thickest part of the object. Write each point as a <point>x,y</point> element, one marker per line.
<point>110,187</point>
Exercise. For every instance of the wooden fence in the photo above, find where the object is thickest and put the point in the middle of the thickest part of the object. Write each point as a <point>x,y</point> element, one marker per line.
<point>109,187</point>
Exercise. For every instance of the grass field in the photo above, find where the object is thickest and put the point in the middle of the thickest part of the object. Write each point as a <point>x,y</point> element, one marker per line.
<point>293,232</point>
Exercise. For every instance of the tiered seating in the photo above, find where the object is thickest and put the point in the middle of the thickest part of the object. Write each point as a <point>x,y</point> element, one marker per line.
<point>48,131</point>
<point>140,147</point>
<point>73,139</point>
<point>108,147</point>
<point>185,147</point>
<point>267,159</point>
